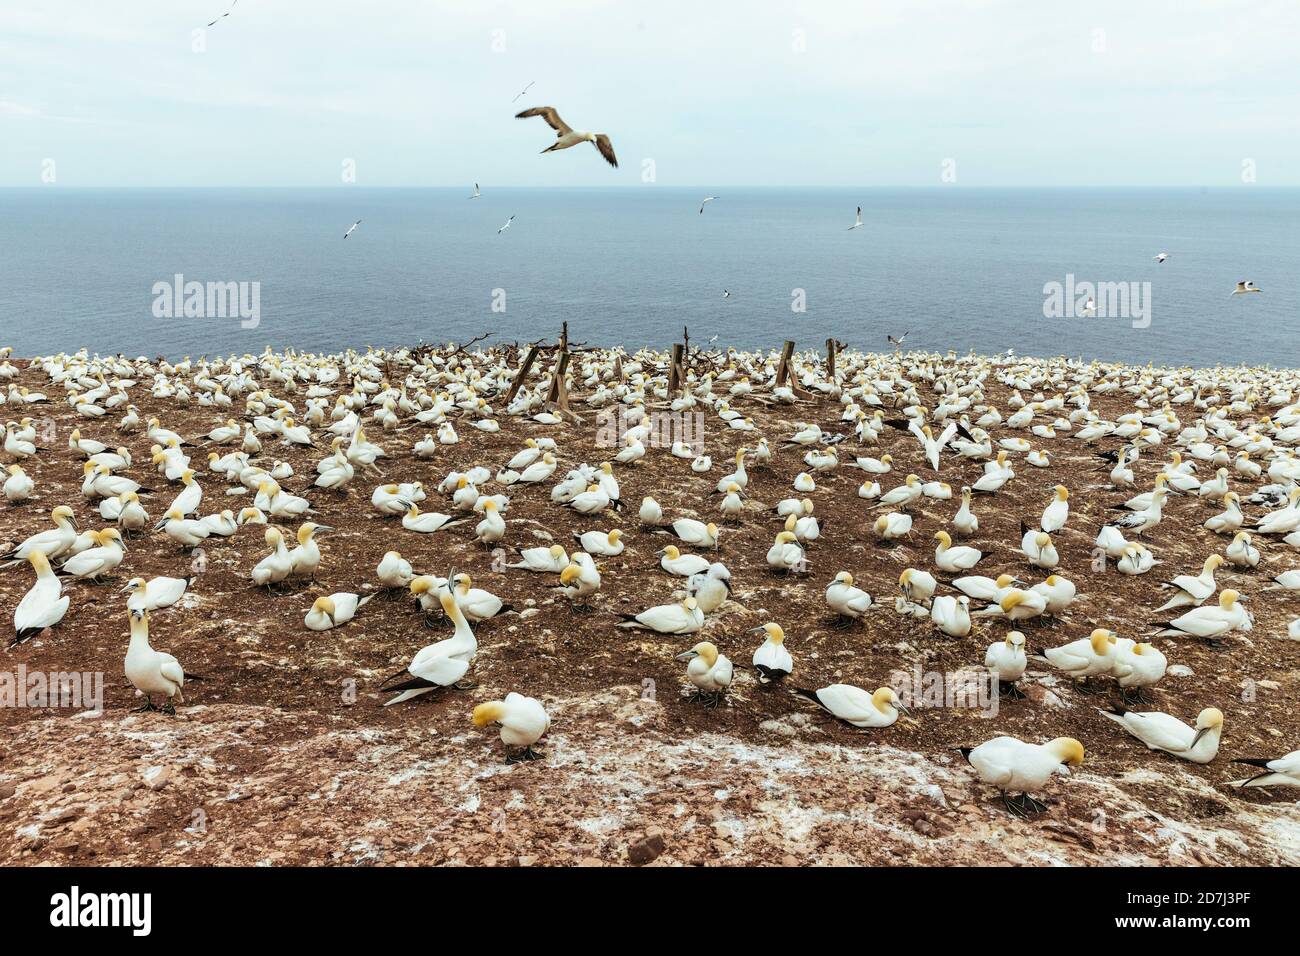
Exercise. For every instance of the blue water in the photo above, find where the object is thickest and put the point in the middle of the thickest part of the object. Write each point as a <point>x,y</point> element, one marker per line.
<point>959,268</point>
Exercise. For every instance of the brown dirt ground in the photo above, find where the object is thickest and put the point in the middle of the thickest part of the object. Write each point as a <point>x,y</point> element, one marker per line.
<point>272,761</point>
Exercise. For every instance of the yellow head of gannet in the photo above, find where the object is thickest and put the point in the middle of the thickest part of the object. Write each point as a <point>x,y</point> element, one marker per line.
<point>1069,750</point>
<point>844,578</point>
<point>1228,598</point>
<point>273,535</point>
<point>704,649</point>
<point>1006,580</point>
<point>944,538</point>
<point>421,585</point>
<point>1100,638</point>
<point>885,697</point>
<point>1062,493</point>
<point>672,552</point>
<point>1012,599</point>
<point>1042,539</point>
<point>791,521</point>
<point>488,713</point>
<point>1015,639</point>
<point>786,537</point>
<point>88,467</point>
<point>613,537</point>
<point>324,605</point>
<point>1211,718</point>
<point>570,574</point>
<point>308,529</point>
<point>775,633</point>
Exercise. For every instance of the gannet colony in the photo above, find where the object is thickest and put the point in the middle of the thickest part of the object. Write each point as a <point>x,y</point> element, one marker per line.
<point>553,604</point>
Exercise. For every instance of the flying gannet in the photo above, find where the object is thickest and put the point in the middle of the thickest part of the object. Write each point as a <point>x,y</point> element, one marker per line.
<point>566,136</point>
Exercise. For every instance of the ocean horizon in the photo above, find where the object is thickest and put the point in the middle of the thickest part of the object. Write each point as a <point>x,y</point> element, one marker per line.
<point>958,267</point>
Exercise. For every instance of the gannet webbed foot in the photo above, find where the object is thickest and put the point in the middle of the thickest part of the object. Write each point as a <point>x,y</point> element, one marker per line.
<point>1013,807</point>
<point>147,706</point>
<point>527,754</point>
<point>1011,690</point>
<point>169,708</point>
<point>1031,805</point>
<point>464,685</point>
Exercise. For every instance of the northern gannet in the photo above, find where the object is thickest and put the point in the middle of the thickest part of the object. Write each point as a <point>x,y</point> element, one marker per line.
<point>352,228</point>
<point>1137,667</point>
<point>394,571</point>
<point>1192,590</point>
<point>566,136</point>
<point>708,670</point>
<point>523,721</point>
<point>684,617</point>
<point>1055,514</point>
<point>1007,661</point>
<point>334,610</point>
<point>51,543</point>
<point>857,707</point>
<point>156,593</point>
<point>1088,657</point>
<point>153,672</point>
<point>44,605</point>
<point>772,660</point>
<point>845,599</point>
<point>97,561</point>
<point>952,559</point>
<point>550,560</point>
<point>1282,772</point>
<point>277,565</point>
<point>1199,744</point>
<point>857,224</point>
<point>1210,623</point>
<point>1010,764</point>
<point>438,665</point>
<point>683,565</point>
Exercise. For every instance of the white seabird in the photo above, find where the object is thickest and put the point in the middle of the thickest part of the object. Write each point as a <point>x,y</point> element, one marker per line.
<point>566,136</point>
<point>523,722</point>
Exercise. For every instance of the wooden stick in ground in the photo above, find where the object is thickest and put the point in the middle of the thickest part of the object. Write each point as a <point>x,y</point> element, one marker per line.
<point>783,366</point>
<point>675,369</point>
<point>559,390</point>
<point>521,374</point>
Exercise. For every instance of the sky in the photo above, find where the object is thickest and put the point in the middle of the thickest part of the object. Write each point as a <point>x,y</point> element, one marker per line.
<point>716,93</point>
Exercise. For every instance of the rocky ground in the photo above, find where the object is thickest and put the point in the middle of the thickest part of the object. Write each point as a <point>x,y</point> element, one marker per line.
<point>284,754</point>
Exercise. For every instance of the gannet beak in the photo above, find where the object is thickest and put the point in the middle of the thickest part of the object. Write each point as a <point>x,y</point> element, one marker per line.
<point>687,655</point>
<point>324,527</point>
<point>1197,739</point>
<point>903,707</point>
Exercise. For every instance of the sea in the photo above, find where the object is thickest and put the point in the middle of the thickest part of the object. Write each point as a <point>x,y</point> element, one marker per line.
<point>955,269</point>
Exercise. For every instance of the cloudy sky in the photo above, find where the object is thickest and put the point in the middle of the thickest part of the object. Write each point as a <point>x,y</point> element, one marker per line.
<point>716,93</point>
